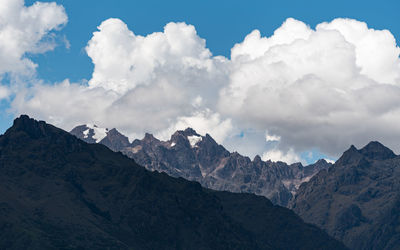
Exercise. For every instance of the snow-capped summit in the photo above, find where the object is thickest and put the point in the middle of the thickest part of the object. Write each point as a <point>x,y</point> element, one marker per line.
<point>112,138</point>
<point>90,133</point>
<point>98,133</point>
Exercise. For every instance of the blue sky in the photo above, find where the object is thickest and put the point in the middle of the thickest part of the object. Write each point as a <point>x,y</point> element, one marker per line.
<point>221,24</point>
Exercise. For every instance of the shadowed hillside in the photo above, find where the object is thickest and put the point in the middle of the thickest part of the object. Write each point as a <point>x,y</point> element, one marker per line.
<point>58,192</point>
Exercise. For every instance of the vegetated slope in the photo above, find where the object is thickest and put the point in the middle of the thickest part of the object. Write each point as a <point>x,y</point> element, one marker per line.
<point>58,192</point>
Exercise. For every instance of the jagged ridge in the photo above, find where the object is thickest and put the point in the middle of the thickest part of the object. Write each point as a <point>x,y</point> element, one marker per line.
<point>357,201</point>
<point>200,158</point>
<point>58,192</point>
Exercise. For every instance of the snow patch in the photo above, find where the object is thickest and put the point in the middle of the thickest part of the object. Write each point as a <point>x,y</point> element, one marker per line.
<point>329,161</point>
<point>99,133</point>
<point>193,140</point>
<point>86,133</point>
<point>173,144</point>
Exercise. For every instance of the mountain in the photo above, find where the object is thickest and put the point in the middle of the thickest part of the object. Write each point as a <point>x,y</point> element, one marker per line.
<point>357,200</point>
<point>199,158</point>
<point>58,192</point>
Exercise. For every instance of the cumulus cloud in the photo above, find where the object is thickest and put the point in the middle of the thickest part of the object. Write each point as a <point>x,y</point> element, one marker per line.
<point>325,88</point>
<point>204,122</point>
<point>26,30</point>
<point>299,89</point>
<point>156,83</point>
<point>177,55</point>
<point>277,155</point>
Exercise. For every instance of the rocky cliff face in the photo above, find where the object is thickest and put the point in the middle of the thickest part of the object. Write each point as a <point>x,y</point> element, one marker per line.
<point>199,158</point>
<point>357,200</point>
<point>58,192</point>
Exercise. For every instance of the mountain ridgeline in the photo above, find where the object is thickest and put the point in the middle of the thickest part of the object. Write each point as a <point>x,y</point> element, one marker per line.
<point>357,200</point>
<point>199,158</point>
<point>58,192</point>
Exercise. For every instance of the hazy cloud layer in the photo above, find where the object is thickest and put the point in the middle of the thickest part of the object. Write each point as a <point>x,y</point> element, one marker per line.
<point>300,89</point>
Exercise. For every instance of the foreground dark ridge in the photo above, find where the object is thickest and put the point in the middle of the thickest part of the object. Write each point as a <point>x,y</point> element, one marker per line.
<point>58,192</point>
<point>201,159</point>
<point>357,200</point>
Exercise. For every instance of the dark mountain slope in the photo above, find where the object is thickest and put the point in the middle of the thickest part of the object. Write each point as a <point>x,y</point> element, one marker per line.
<point>202,159</point>
<point>357,200</point>
<point>58,192</point>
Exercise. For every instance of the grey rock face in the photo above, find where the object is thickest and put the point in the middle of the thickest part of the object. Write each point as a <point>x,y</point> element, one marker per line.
<point>201,159</point>
<point>115,140</point>
<point>357,200</point>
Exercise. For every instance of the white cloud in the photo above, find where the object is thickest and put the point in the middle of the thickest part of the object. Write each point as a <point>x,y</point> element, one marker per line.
<point>64,104</point>
<point>317,88</point>
<point>272,138</point>
<point>26,30</point>
<point>204,122</point>
<point>322,88</point>
<point>376,51</point>
<point>124,60</point>
<point>155,83</point>
<point>255,46</point>
<point>4,92</point>
<point>277,155</point>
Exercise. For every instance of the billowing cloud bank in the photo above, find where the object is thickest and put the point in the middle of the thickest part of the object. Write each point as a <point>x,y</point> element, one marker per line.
<point>301,89</point>
<point>26,30</point>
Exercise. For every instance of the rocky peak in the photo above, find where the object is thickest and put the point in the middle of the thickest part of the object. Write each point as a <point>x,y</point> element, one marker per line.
<point>207,142</point>
<point>372,151</point>
<point>115,140</point>
<point>349,156</point>
<point>85,133</point>
<point>35,129</point>
<point>113,132</point>
<point>187,137</point>
<point>149,138</point>
<point>185,133</point>
<point>316,167</point>
<point>297,165</point>
<point>257,159</point>
<point>78,130</point>
<point>190,132</point>
<point>376,151</point>
<point>192,156</point>
<point>321,161</point>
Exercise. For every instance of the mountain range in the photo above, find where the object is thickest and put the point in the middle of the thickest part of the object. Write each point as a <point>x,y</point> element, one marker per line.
<point>59,192</point>
<point>199,158</point>
<point>357,200</point>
